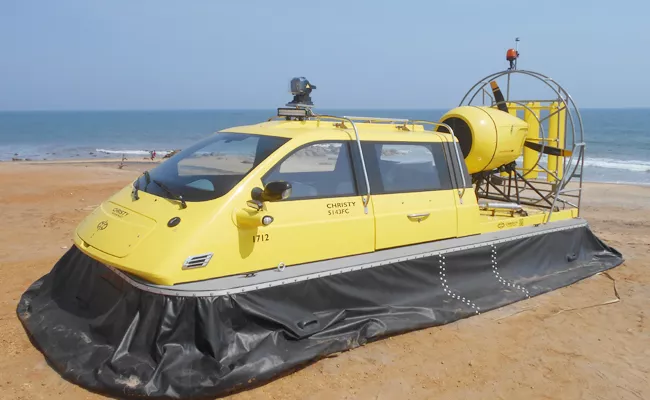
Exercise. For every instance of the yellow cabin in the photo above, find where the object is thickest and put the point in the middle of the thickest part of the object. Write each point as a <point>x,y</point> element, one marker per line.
<point>295,191</point>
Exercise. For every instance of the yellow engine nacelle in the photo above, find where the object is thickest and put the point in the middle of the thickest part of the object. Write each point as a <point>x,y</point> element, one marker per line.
<point>488,137</point>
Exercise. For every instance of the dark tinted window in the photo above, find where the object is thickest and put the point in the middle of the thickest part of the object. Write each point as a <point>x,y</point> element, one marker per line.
<point>457,168</point>
<point>406,167</point>
<point>315,171</point>
<point>210,168</point>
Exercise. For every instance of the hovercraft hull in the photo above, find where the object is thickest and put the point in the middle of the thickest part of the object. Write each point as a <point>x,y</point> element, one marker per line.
<point>111,333</point>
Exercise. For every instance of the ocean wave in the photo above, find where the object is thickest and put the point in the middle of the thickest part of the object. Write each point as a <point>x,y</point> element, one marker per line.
<point>134,152</point>
<point>620,182</point>
<point>627,165</point>
<point>608,163</point>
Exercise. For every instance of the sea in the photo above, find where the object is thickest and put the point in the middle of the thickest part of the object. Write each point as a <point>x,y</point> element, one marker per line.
<point>617,140</point>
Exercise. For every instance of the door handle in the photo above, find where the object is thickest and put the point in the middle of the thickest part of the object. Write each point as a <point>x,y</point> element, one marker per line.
<point>418,217</point>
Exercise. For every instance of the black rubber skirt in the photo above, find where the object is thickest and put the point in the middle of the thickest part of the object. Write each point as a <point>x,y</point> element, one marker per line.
<point>104,334</point>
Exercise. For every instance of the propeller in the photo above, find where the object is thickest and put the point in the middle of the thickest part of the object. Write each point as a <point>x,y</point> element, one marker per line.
<point>550,150</point>
<point>498,97</point>
<point>546,149</point>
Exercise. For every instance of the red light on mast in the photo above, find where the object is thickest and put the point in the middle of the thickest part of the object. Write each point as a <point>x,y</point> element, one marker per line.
<point>512,54</point>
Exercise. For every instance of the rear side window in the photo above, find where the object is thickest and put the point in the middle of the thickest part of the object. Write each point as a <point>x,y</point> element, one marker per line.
<point>400,167</point>
<point>317,170</point>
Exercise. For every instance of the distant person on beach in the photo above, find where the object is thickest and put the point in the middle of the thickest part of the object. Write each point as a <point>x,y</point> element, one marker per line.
<point>153,154</point>
<point>122,162</point>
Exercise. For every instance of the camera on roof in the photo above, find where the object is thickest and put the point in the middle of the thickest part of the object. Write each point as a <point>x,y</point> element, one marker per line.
<point>300,89</point>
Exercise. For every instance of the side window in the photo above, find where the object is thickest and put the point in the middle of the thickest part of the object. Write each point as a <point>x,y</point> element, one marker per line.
<point>409,167</point>
<point>456,168</point>
<point>315,171</point>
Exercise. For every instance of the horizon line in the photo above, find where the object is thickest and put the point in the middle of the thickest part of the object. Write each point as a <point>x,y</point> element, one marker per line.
<point>274,108</point>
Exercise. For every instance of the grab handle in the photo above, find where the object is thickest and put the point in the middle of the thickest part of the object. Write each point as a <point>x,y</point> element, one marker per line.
<point>418,217</point>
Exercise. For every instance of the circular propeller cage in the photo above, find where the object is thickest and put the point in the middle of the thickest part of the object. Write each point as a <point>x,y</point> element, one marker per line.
<point>558,189</point>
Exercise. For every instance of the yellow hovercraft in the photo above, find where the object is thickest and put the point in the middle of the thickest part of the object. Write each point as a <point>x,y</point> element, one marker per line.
<point>266,246</point>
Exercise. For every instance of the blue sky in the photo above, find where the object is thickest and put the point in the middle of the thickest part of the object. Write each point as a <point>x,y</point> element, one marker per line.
<point>204,54</point>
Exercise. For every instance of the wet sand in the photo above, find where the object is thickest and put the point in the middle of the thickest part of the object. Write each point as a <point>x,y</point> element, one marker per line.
<point>574,343</point>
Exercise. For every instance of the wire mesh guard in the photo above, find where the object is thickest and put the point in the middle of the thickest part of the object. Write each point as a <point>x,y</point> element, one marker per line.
<point>545,174</point>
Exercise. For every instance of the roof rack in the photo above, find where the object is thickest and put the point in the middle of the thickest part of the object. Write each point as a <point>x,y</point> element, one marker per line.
<point>377,119</point>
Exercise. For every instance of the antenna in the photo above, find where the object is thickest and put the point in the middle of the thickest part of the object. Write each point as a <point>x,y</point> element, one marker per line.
<point>517,50</point>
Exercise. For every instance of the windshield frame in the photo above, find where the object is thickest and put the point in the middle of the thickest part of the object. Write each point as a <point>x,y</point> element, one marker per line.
<point>167,172</point>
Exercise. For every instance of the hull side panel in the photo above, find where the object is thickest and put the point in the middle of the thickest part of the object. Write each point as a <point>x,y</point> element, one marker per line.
<point>102,333</point>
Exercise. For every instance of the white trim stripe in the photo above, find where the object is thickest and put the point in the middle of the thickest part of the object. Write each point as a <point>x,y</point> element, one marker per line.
<point>171,291</point>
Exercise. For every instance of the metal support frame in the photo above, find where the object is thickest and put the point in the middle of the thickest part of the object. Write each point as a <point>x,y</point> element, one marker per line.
<point>550,192</point>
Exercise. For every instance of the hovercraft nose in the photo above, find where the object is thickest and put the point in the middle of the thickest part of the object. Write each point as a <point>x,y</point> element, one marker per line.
<point>114,229</point>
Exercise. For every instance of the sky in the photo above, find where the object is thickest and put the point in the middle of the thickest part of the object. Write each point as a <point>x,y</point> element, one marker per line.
<point>215,54</point>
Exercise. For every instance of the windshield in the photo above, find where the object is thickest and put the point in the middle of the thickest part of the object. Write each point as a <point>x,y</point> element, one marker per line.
<point>210,168</point>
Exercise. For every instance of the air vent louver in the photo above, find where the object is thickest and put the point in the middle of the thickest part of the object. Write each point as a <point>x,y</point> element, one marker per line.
<point>197,261</point>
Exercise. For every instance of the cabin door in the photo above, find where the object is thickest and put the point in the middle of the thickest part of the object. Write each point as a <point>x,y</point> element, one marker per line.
<point>324,216</point>
<point>412,196</point>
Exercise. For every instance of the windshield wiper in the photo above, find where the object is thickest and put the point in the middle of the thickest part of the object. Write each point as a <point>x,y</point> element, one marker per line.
<point>136,185</point>
<point>169,192</point>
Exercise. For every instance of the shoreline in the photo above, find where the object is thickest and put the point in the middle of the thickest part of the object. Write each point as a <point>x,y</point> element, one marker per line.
<point>65,161</point>
<point>158,160</point>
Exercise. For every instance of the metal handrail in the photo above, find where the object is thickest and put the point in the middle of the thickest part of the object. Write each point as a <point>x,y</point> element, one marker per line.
<point>413,122</point>
<point>365,200</point>
<point>379,119</point>
<point>351,119</point>
<point>562,182</point>
<point>461,193</point>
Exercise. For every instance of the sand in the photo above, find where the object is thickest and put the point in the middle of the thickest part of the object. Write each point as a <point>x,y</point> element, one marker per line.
<point>574,343</point>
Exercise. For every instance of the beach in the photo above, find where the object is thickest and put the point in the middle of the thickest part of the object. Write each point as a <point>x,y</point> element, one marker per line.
<point>586,341</point>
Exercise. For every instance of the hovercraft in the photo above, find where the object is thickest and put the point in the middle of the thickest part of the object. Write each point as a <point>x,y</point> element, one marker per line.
<point>264,247</point>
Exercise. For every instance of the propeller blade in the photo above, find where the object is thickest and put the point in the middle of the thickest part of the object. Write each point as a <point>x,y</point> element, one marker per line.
<point>498,97</point>
<point>551,151</point>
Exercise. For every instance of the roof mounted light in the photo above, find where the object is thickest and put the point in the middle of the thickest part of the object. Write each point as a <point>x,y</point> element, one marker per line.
<point>299,113</point>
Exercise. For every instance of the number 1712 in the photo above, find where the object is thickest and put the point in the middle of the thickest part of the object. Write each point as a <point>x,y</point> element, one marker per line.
<point>264,237</point>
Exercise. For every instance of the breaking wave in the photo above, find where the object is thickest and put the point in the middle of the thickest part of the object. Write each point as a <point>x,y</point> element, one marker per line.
<point>628,165</point>
<point>133,152</point>
<point>608,163</point>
